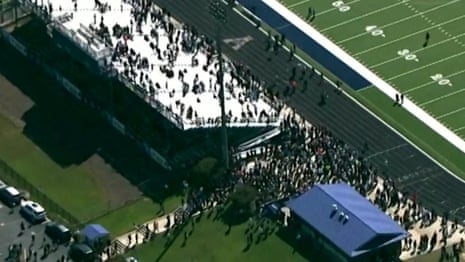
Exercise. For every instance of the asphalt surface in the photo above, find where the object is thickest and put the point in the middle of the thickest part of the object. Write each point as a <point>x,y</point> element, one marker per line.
<point>10,227</point>
<point>412,171</point>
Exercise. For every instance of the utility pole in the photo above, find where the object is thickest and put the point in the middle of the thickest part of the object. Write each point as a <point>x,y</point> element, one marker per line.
<point>217,9</point>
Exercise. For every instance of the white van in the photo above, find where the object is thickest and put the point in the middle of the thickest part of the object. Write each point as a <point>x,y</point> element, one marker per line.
<point>33,212</point>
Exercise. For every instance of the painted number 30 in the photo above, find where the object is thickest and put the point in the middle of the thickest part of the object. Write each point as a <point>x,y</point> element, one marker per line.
<point>341,6</point>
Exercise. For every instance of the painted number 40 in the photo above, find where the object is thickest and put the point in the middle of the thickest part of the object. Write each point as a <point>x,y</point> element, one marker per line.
<point>341,6</point>
<point>441,80</point>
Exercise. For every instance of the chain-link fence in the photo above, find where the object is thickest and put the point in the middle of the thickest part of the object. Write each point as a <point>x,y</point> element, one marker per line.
<point>54,211</point>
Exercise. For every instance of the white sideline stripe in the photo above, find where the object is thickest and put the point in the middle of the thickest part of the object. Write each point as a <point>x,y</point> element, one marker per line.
<point>410,35</point>
<point>362,16</point>
<point>370,76</point>
<point>451,113</point>
<point>400,20</point>
<point>298,3</point>
<point>432,82</point>
<point>442,97</point>
<point>427,65</point>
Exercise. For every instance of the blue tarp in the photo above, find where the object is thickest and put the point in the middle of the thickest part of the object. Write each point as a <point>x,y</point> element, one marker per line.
<point>346,219</point>
<point>93,232</point>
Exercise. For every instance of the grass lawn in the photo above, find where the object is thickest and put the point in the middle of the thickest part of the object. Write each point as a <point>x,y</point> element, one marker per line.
<point>122,220</point>
<point>57,182</point>
<point>209,242</point>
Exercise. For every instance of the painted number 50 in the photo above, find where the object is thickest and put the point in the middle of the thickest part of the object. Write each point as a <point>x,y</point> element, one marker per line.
<point>341,6</point>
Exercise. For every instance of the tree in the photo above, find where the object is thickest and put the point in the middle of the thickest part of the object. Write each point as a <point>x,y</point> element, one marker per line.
<point>204,172</point>
<point>243,199</point>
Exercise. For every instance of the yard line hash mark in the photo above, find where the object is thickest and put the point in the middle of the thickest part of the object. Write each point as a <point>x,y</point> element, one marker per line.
<point>414,51</point>
<point>402,20</point>
<point>427,19</point>
<point>361,16</point>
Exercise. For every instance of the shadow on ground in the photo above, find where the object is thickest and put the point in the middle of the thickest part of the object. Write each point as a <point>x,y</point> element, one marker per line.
<point>71,133</point>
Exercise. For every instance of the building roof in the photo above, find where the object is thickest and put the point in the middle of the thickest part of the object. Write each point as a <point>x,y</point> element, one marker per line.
<point>346,218</point>
<point>94,232</point>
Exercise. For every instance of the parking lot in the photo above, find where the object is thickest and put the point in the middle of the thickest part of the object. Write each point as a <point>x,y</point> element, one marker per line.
<point>10,233</point>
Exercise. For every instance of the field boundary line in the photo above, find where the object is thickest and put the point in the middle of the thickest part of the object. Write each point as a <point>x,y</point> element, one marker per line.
<point>427,65</point>
<point>442,97</point>
<point>384,87</point>
<point>400,21</point>
<point>362,16</point>
<point>412,34</point>
<point>432,82</point>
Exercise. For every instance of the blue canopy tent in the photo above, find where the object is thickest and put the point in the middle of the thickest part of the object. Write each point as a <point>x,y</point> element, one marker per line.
<point>94,233</point>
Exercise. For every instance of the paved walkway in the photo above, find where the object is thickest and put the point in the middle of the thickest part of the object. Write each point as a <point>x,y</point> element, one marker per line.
<point>417,231</point>
<point>156,226</point>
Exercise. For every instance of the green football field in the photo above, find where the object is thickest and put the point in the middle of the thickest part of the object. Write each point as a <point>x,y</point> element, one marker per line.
<point>388,37</point>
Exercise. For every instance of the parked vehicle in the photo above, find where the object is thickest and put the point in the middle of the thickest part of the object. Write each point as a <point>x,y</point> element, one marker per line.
<point>81,253</point>
<point>33,212</point>
<point>58,233</point>
<point>10,196</point>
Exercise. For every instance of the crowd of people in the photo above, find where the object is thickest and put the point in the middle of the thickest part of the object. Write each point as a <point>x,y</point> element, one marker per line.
<point>179,68</point>
<point>182,71</point>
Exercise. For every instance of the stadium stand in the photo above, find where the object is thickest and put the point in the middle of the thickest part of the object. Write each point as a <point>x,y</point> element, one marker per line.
<point>172,67</point>
<point>299,158</point>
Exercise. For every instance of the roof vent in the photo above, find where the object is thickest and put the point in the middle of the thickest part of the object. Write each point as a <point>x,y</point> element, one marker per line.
<point>341,216</point>
<point>346,219</point>
<point>334,207</point>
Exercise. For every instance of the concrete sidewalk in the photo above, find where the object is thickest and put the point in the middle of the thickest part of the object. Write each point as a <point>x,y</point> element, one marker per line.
<point>155,226</point>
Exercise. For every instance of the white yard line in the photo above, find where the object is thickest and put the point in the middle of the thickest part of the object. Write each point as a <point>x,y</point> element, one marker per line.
<point>327,10</point>
<point>432,82</point>
<point>459,129</point>
<point>334,8</point>
<point>427,65</point>
<point>427,19</point>
<point>298,3</point>
<point>362,16</point>
<point>451,113</point>
<point>400,20</point>
<point>417,51</point>
<point>442,97</point>
<point>412,34</point>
